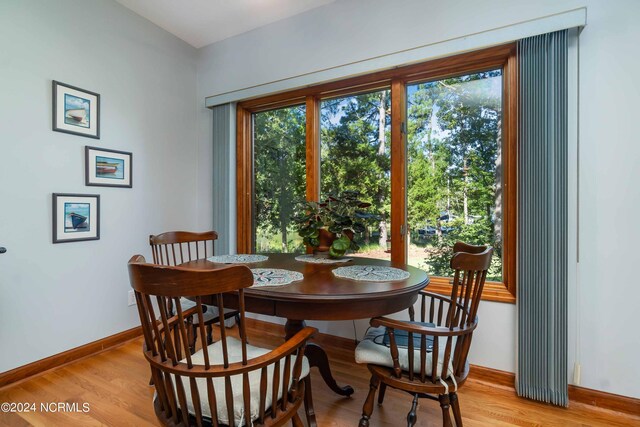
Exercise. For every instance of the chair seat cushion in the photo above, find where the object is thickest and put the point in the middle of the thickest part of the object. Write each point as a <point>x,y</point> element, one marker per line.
<point>211,313</point>
<point>234,348</point>
<point>374,349</point>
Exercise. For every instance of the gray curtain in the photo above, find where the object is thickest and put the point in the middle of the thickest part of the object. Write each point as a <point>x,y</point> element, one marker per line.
<point>542,219</point>
<point>223,175</point>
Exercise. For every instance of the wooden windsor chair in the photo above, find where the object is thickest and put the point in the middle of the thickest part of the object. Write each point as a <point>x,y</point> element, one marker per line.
<point>428,359</point>
<point>177,247</point>
<point>228,383</point>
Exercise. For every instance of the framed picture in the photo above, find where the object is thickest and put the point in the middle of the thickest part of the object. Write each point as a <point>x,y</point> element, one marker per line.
<point>107,168</point>
<point>76,217</point>
<point>76,111</point>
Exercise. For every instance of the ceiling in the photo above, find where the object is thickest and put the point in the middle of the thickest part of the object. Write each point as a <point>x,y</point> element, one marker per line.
<point>202,22</point>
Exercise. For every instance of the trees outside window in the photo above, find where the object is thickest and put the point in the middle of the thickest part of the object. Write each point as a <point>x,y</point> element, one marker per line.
<point>279,177</point>
<point>355,155</point>
<point>454,168</point>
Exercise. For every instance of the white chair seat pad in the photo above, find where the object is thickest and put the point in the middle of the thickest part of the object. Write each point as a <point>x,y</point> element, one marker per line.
<point>372,350</point>
<point>234,348</point>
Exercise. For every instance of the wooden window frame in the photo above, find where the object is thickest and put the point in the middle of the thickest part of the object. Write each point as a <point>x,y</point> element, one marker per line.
<point>397,79</point>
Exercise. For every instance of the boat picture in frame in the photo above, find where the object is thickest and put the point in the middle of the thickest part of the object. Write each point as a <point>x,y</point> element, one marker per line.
<point>76,116</point>
<point>108,168</point>
<point>76,217</point>
<point>75,111</point>
<point>74,220</point>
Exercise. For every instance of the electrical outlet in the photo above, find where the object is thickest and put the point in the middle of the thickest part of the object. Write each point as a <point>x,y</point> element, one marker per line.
<point>576,374</point>
<point>132,298</point>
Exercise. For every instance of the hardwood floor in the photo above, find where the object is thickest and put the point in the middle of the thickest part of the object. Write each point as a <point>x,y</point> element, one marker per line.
<point>114,384</point>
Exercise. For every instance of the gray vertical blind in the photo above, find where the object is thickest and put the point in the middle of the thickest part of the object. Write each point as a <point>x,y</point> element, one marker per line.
<point>542,225</point>
<point>222,175</point>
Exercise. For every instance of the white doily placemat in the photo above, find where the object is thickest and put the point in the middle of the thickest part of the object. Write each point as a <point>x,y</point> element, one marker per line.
<point>238,259</point>
<point>371,273</point>
<point>320,260</point>
<point>274,276</point>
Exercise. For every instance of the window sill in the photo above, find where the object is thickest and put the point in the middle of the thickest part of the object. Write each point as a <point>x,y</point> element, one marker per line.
<point>493,291</point>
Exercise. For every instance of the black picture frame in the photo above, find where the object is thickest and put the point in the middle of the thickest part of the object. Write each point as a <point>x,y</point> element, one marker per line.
<point>107,168</point>
<point>84,120</point>
<point>76,217</point>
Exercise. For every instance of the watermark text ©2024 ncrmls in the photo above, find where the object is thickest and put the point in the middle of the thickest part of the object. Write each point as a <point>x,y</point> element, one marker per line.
<point>46,407</point>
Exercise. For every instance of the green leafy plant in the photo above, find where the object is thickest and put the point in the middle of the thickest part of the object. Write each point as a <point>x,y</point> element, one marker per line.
<point>477,233</point>
<point>336,219</point>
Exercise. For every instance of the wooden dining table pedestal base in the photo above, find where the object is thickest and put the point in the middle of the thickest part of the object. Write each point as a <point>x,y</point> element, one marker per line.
<point>317,358</point>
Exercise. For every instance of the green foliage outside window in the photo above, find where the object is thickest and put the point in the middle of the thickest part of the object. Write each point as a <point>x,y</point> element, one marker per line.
<point>356,156</point>
<point>454,167</point>
<point>454,171</point>
<point>279,177</point>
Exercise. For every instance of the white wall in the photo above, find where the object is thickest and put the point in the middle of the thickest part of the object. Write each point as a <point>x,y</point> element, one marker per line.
<point>56,297</point>
<point>609,199</point>
<point>355,30</point>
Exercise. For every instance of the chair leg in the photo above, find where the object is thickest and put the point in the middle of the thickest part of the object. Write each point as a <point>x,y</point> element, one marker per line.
<point>210,333</point>
<point>383,388</point>
<point>455,405</point>
<point>367,408</point>
<point>192,333</point>
<point>296,421</point>
<point>412,416</point>
<point>308,403</point>
<point>237,319</point>
<point>444,404</point>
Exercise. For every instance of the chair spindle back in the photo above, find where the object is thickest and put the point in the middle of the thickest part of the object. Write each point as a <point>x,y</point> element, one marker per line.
<point>177,247</point>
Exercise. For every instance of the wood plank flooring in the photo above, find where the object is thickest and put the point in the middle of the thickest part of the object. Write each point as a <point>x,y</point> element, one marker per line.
<point>114,384</point>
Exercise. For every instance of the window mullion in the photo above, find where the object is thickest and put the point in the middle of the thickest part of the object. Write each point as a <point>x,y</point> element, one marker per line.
<point>399,232</point>
<point>313,148</point>
<point>312,138</point>
<point>244,181</point>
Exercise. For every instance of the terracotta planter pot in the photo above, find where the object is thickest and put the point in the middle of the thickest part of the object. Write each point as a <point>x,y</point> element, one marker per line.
<point>326,238</point>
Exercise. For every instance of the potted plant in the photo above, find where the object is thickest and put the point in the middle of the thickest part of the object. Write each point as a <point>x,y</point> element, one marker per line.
<point>329,226</point>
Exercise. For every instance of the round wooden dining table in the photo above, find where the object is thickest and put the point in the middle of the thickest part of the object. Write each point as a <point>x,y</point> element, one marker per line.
<point>320,295</point>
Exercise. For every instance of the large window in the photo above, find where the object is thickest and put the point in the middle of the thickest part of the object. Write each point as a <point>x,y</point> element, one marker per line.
<point>355,154</point>
<point>431,146</point>
<point>454,168</point>
<point>279,177</point>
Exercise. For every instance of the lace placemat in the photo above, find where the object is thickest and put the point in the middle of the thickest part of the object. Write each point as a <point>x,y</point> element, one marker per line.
<point>238,259</point>
<point>371,273</point>
<point>320,260</point>
<point>274,276</point>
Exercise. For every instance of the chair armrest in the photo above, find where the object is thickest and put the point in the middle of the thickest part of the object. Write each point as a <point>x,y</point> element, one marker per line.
<point>439,331</point>
<point>229,314</point>
<point>194,311</point>
<point>172,320</point>
<point>435,296</point>
<point>441,298</point>
<point>290,346</point>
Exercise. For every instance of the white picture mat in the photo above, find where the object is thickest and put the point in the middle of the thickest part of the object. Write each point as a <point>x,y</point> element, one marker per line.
<point>60,110</point>
<point>91,164</point>
<point>60,218</point>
